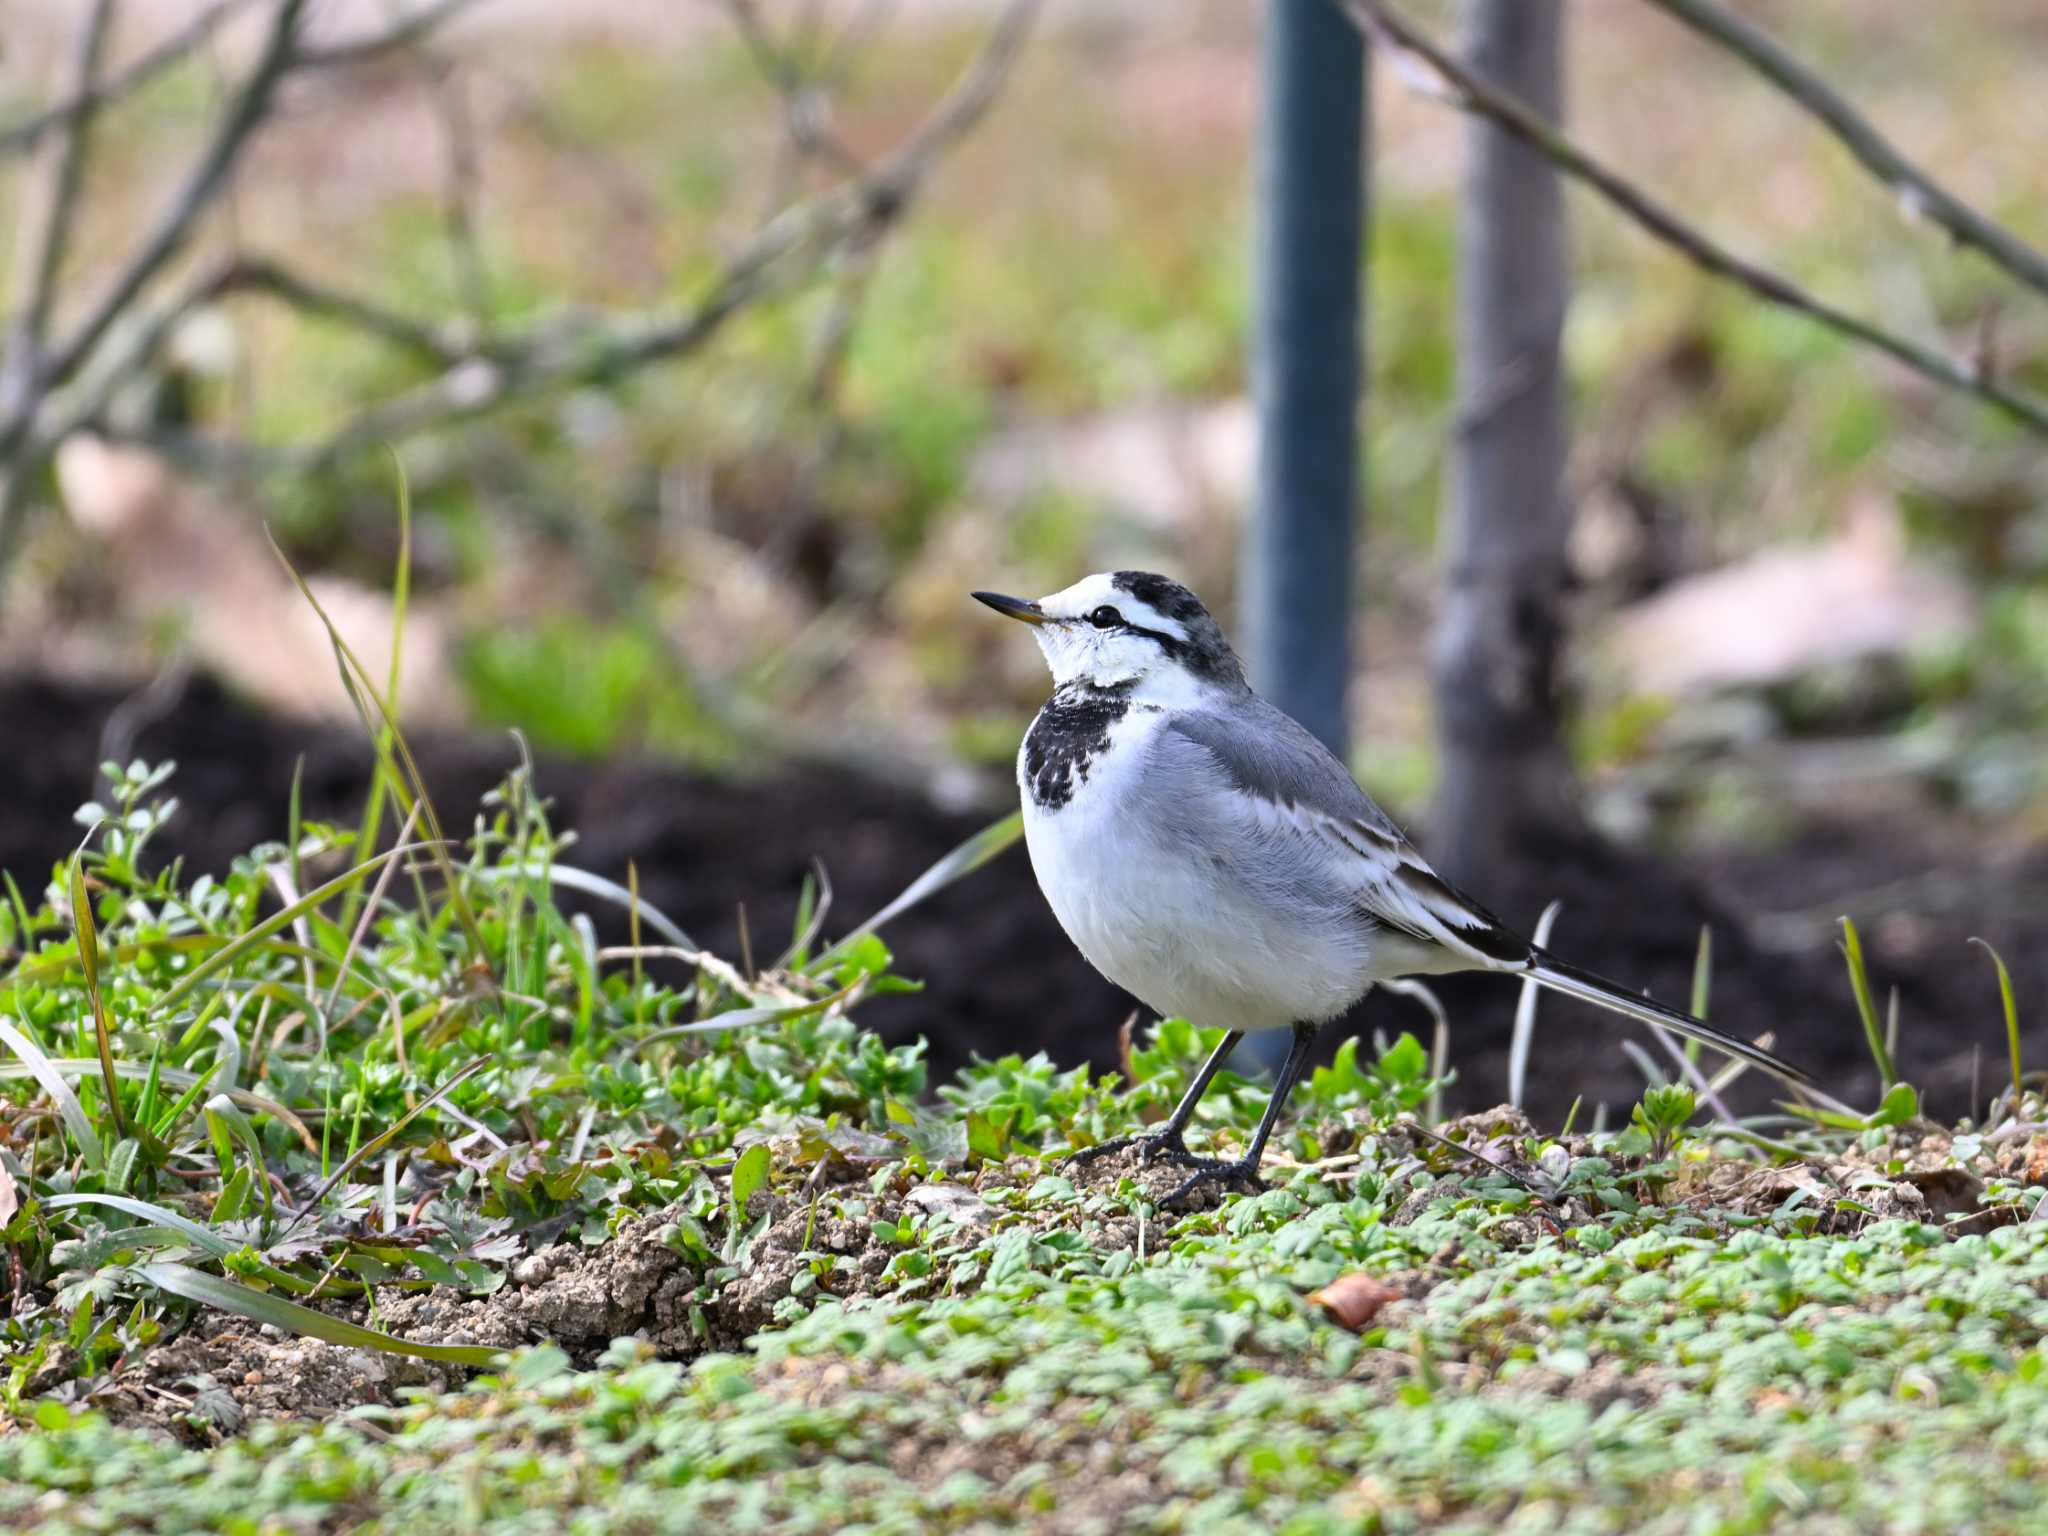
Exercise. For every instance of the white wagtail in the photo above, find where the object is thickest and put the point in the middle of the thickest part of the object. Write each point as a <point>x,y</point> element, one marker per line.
<point>1212,858</point>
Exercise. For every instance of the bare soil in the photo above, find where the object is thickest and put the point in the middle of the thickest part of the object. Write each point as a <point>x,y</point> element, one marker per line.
<point>223,1374</point>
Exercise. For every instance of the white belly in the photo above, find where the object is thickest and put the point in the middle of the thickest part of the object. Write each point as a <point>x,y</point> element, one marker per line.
<point>1166,917</point>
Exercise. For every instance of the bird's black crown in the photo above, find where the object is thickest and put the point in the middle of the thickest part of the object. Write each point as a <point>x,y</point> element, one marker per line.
<point>1205,652</point>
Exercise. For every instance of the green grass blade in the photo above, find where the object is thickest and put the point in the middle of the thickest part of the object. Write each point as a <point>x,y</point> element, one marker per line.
<point>293,823</point>
<point>376,1144</point>
<point>401,576</point>
<point>24,925</point>
<point>89,960</point>
<point>262,1307</point>
<point>355,677</point>
<point>743,1018</point>
<point>1866,1006</point>
<point>165,1126</point>
<point>1702,986</point>
<point>191,1082</point>
<point>242,943</point>
<point>157,1215</point>
<point>221,1112</point>
<point>963,860</point>
<point>592,885</point>
<point>57,967</point>
<point>2012,1021</point>
<point>39,1066</point>
<point>1702,975</point>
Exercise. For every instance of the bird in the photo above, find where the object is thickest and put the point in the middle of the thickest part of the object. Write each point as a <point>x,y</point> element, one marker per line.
<point>1210,856</point>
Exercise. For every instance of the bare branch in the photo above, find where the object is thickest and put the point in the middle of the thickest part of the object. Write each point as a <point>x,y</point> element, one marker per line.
<point>46,227</point>
<point>1918,193</point>
<point>45,233</point>
<point>804,106</point>
<point>460,181</point>
<point>86,403</point>
<point>1471,94</point>
<point>139,71</point>
<point>174,227</point>
<point>172,49</point>
<point>408,29</point>
<point>964,105</point>
<point>584,350</point>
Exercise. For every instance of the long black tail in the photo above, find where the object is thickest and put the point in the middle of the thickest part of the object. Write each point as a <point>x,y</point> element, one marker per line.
<point>1551,972</point>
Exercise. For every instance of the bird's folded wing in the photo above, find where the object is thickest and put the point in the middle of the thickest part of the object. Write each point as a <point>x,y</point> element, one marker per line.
<point>1295,789</point>
<point>1390,884</point>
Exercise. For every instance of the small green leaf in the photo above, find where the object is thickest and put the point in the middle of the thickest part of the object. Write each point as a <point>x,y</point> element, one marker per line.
<point>963,860</point>
<point>81,1321</point>
<point>1404,1061</point>
<point>233,1201</point>
<point>749,1176</point>
<point>121,1163</point>
<point>1901,1103</point>
<point>988,1133</point>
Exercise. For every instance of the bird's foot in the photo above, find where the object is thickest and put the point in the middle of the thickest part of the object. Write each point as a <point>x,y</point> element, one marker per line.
<point>1161,1146</point>
<point>1244,1174</point>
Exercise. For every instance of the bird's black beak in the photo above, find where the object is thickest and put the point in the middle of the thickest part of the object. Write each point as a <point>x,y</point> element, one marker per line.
<point>1014,607</point>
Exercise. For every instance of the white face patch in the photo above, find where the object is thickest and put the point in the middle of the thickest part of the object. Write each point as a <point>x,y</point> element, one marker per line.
<point>1113,652</point>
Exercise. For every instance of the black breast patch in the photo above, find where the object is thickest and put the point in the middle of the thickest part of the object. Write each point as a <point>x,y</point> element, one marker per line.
<point>1065,739</point>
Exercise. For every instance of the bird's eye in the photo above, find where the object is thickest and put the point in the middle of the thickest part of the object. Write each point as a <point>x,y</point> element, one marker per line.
<point>1105,617</point>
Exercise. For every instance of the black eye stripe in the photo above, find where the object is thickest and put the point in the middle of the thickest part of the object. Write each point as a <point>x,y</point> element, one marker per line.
<point>1106,617</point>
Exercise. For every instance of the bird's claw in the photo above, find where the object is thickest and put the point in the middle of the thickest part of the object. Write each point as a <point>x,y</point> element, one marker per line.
<point>1153,1146</point>
<point>1166,1146</point>
<point>1244,1174</point>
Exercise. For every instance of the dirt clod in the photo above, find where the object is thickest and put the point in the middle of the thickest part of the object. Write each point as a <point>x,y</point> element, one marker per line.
<point>223,1374</point>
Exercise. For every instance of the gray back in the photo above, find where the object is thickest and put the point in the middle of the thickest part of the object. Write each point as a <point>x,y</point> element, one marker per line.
<point>1266,752</point>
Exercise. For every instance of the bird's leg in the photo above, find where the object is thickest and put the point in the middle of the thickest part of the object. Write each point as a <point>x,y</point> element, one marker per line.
<point>1246,1170</point>
<point>1167,1141</point>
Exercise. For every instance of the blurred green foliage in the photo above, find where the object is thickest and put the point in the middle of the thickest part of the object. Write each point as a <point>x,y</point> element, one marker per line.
<point>1087,251</point>
<point>578,686</point>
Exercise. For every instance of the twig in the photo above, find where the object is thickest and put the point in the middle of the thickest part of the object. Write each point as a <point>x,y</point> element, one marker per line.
<point>1918,193</point>
<point>138,72</point>
<point>171,50</point>
<point>582,350</point>
<point>409,28</point>
<point>1471,94</point>
<point>370,910</point>
<point>174,226</point>
<point>257,274</point>
<point>805,109</point>
<point>459,183</point>
<point>1483,1160</point>
<point>46,232</point>
<point>136,347</point>
<point>46,226</point>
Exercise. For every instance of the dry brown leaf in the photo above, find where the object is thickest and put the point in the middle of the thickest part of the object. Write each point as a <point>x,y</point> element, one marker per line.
<point>1354,1300</point>
<point>1124,1038</point>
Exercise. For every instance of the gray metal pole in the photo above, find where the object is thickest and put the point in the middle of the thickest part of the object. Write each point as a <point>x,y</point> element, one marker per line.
<point>1299,540</point>
<point>1296,599</point>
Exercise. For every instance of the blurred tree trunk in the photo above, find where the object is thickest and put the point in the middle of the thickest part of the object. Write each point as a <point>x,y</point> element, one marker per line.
<point>1507,780</point>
